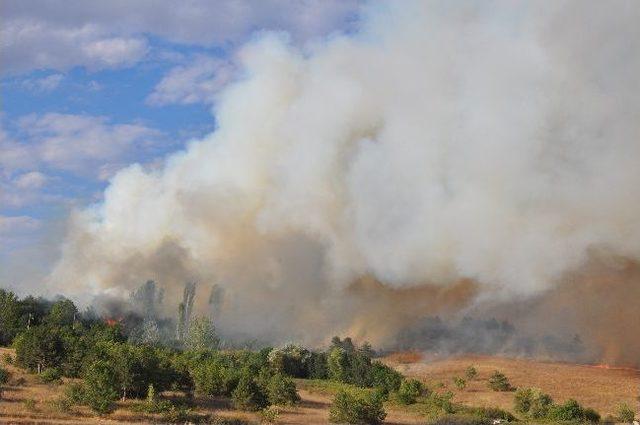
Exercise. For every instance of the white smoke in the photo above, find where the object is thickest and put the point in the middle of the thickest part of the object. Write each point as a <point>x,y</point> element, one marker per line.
<point>493,141</point>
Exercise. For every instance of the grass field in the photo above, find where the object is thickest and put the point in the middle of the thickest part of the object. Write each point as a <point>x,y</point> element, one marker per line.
<point>30,401</point>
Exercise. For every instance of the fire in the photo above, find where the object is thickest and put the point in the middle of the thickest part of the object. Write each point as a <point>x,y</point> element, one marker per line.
<point>112,322</point>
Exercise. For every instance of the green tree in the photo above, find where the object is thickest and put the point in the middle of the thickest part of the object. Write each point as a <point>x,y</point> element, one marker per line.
<point>281,390</point>
<point>499,382</point>
<point>409,391</point>
<point>202,335</point>
<point>248,395</point>
<point>532,402</point>
<point>357,407</point>
<point>39,347</point>
<point>101,387</point>
<point>62,313</point>
<point>9,316</point>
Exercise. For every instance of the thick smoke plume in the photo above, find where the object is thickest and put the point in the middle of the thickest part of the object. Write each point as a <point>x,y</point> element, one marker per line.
<point>447,156</point>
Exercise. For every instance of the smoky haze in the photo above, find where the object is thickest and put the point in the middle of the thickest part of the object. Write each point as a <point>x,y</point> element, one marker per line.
<point>448,157</point>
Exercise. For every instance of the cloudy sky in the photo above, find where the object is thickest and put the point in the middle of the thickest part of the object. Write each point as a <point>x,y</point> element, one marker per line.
<point>88,87</point>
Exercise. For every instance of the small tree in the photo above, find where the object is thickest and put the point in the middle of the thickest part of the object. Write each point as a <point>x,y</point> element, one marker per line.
<point>471,373</point>
<point>101,388</point>
<point>532,402</point>
<point>281,390</point>
<point>460,383</point>
<point>569,411</point>
<point>248,395</point>
<point>357,407</point>
<point>202,335</point>
<point>625,413</point>
<point>410,390</point>
<point>499,382</point>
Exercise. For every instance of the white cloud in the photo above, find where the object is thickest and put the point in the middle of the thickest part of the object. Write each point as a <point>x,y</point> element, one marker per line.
<point>43,85</point>
<point>197,82</point>
<point>44,34</point>
<point>30,180</point>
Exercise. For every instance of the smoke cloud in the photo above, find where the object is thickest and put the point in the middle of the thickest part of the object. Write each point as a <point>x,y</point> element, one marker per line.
<point>447,154</point>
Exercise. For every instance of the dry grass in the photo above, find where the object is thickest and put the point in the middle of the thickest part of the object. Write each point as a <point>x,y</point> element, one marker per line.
<point>597,387</point>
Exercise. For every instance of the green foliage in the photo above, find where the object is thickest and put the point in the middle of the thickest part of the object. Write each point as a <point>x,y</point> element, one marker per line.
<point>625,413</point>
<point>75,393</point>
<point>7,358</point>
<point>248,395</point>
<point>459,382</point>
<point>569,411</point>
<point>460,420</point>
<point>4,376</point>
<point>9,316</point>
<point>101,389</point>
<point>292,360</point>
<point>184,415</point>
<point>317,367</point>
<point>202,335</point>
<point>39,347</point>
<point>270,415</point>
<point>471,373</point>
<point>281,390</point>
<point>532,402</point>
<point>384,377</point>
<point>61,404</point>
<point>499,382</point>
<point>357,407</point>
<point>50,375</point>
<point>217,375</point>
<point>410,390</point>
<point>590,415</point>
<point>62,313</point>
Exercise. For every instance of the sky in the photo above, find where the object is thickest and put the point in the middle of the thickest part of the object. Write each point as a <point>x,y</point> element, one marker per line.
<point>88,88</point>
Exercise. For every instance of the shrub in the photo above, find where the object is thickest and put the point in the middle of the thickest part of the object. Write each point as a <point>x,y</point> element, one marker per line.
<point>384,377</point>
<point>499,382</point>
<point>281,390</point>
<point>491,413</point>
<point>460,420</point>
<point>292,360</point>
<point>443,401</point>
<point>7,358</point>
<point>61,404</point>
<point>569,411</point>
<point>460,383</point>
<point>410,390</point>
<point>625,413</point>
<point>51,375</point>
<point>471,373</point>
<point>100,384</point>
<point>248,395</point>
<point>590,415</point>
<point>4,376</point>
<point>30,404</point>
<point>75,393</point>
<point>532,402</point>
<point>357,407</point>
<point>269,415</point>
<point>183,415</point>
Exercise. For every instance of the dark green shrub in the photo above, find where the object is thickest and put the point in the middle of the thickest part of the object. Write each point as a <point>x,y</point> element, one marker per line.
<point>281,390</point>
<point>75,393</point>
<point>569,411</point>
<point>248,395</point>
<point>50,375</point>
<point>291,360</point>
<point>101,390</point>
<point>499,382</point>
<point>409,391</point>
<point>4,376</point>
<point>357,407</point>
<point>590,415</point>
<point>532,402</point>
<point>491,413</point>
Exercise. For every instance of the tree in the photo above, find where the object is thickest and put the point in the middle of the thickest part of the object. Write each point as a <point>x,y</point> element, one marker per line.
<point>532,402</point>
<point>357,407</point>
<point>248,395</point>
<point>63,313</point>
<point>499,382</point>
<point>460,383</point>
<point>471,373</point>
<point>409,391</point>
<point>39,347</point>
<point>9,316</point>
<point>281,390</point>
<point>101,387</point>
<point>202,335</point>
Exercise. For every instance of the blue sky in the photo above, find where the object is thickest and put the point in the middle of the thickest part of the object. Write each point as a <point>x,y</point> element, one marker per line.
<point>88,88</point>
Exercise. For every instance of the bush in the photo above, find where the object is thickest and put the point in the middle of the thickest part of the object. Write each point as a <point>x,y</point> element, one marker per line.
<point>357,407</point>
<point>75,393</point>
<point>460,420</point>
<point>4,376</point>
<point>625,413</point>
<point>499,382</point>
<point>100,385</point>
<point>532,402</point>
<point>590,415</point>
<point>569,411</point>
<point>61,405</point>
<point>460,383</point>
<point>384,377</point>
<point>51,375</point>
<point>248,395</point>
<point>183,415</point>
<point>410,390</point>
<point>292,360</point>
<point>269,415</point>
<point>7,358</point>
<point>471,373</point>
<point>30,404</point>
<point>491,413</point>
<point>281,390</point>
